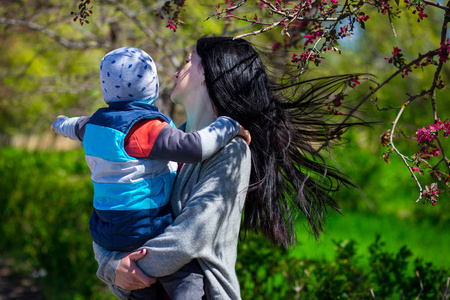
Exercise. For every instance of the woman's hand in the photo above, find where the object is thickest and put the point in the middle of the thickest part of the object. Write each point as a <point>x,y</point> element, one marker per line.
<point>128,274</point>
<point>245,134</point>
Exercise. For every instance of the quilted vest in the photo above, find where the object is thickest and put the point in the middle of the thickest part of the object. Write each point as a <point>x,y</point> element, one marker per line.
<point>131,195</point>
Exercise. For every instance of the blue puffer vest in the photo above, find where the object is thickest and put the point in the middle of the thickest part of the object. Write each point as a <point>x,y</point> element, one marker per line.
<point>131,195</point>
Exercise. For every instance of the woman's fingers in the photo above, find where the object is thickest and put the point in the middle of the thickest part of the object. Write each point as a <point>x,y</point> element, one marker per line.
<point>146,280</point>
<point>128,274</point>
<point>137,255</point>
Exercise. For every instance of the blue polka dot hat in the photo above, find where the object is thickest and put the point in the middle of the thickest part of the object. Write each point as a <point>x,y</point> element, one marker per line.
<point>129,74</point>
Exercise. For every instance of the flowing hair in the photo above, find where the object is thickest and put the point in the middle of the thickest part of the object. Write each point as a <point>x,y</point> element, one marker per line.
<point>288,123</point>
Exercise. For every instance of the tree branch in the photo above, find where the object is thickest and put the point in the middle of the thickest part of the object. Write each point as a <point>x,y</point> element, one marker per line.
<point>69,44</point>
<point>259,31</point>
<point>354,109</point>
<point>446,8</point>
<point>391,141</point>
<point>227,10</point>
<point>133,17</point>
<point>436,78</point>
<point>392,24</point>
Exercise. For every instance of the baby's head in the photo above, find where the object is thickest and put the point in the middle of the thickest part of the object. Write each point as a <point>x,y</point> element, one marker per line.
<point>129,74</point>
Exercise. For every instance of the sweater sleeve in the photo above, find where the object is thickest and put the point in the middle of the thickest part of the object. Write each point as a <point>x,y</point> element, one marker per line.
<point>72,128</point>
<point>175,145</point>
<point>208,224</point>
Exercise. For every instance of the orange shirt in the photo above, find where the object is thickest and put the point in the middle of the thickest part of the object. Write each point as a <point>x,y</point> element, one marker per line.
<point>141,137</point>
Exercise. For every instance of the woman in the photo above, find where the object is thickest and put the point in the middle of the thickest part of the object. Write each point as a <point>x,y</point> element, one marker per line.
<point>282,171</point>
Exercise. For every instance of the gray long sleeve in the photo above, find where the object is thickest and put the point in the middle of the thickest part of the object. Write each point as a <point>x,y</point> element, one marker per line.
<point>207,200</point>
<point>171,144</point>
<point>176,145</point>
<point>72,128</point>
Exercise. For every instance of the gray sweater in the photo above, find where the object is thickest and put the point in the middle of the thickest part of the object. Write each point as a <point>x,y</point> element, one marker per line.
<point>207,200</point>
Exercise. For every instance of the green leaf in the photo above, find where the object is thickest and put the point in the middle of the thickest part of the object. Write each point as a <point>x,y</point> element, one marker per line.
<point>362,24</point>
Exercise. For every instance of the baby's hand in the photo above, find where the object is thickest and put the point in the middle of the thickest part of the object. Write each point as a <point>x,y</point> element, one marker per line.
<point>245,134</point>
<point>51,126</point>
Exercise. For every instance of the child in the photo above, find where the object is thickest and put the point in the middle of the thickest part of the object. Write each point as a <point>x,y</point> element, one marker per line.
<point>129,147</point>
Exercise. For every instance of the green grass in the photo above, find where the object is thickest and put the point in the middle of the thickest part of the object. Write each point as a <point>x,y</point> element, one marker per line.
<point>46,204</point>
<point>428,238</point>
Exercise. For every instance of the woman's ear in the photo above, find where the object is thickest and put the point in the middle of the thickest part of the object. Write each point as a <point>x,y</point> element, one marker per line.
<point>200,69</point>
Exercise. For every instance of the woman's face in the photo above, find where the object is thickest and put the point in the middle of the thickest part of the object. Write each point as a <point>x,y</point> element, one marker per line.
<point>189,80</point>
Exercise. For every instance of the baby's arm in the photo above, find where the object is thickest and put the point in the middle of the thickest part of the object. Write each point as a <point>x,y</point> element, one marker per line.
<point>72,128</point>
<point>175,145</point>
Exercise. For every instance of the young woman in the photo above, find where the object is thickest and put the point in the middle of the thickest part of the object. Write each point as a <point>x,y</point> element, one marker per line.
<point>279,175</point>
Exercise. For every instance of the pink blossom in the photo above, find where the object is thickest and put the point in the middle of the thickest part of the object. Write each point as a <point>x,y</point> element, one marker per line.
<point>171,25</point>
<point>444,51</point>
<point>421,14</point>
<point>424,135</point>
<point>438,125</point>
<point>396,51</point>
<point>446,129</point>
<point>435,152</point>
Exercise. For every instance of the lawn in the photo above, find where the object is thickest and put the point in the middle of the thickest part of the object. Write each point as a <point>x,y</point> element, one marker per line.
<point>427,238</point>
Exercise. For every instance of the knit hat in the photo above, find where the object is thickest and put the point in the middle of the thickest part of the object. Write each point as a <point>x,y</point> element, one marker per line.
<point>129,74</point>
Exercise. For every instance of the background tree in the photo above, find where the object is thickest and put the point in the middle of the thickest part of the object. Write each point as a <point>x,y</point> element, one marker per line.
<point>65,57</point>
<point>49,65</point>
<point>315,28</point>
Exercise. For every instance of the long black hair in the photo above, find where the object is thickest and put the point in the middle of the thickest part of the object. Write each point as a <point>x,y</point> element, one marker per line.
<point>288,122</point>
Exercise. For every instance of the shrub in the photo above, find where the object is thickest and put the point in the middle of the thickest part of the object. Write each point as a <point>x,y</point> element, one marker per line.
<point>266,272</point>
<point>45,206</point>
<point>46,202</point>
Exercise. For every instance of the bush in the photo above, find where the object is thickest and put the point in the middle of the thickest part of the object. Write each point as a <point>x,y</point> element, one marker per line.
<point>266,272</point>
<point>46,203</point>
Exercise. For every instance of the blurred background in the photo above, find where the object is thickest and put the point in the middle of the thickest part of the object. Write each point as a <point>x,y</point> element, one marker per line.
<point>384,244</point>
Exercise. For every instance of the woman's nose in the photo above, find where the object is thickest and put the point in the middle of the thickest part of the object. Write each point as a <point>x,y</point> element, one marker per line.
<point>176,74</point>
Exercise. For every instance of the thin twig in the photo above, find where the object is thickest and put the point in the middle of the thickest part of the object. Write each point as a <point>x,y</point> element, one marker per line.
<point>258,31</point>
<point>372,294</point>
<point>445,294</point>
<point>436,78</point>
<point>446,8</point>
<point>421,285</point>
<point>354,109</point>
<point>391,141</point>
<point>392,24</point>
<point>133,17</point>
<point>227,10</point>
<point>295,16</point>
<point>69,44</point>
<point>286,16</point>
<point>307,60</point>
<point>245,19</point>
